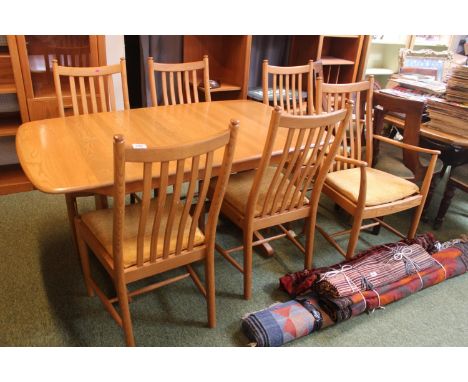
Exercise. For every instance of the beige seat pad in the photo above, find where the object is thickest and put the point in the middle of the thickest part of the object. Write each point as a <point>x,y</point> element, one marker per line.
<point>239,186</point>
<point>381,187</point>
<point>100,222</point>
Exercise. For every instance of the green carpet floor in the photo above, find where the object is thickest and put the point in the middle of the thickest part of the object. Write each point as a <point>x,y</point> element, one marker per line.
<point>43,300</point>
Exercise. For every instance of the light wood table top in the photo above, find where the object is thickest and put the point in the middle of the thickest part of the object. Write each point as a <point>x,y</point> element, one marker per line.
<point>62,155</point>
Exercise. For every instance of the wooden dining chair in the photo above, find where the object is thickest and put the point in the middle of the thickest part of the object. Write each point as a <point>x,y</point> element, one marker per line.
<point>286,84</point>
<point>94,94</point>
<point>275,193</point>
<point>135,242</point>
<point>179,81</point>
<point>353,184</point>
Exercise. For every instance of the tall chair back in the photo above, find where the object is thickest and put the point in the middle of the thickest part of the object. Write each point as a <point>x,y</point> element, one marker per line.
<point>287,84</point>
<point>310,146</point>
<point>179,82</point>
<point>96,88</point>
<point>357,138</point>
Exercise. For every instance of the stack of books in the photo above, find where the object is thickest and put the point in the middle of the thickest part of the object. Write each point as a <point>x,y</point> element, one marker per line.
<point>447,116</point>
<point>457,85</point>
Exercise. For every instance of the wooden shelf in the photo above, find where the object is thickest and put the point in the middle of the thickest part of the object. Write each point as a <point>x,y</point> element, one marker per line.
<point>327,60</point>
<point>9,124</point>
<point>223,88</point>
<point>13,179</point>
<point>7,88</point>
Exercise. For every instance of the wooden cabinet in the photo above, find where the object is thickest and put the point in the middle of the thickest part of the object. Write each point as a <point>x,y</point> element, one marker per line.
<point>26,81</point>
<point>341,55</point>
<point>36,54</point>
<point>229,62</point>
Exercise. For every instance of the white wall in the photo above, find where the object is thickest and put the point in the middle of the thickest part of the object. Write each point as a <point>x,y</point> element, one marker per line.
<point>115,49</point>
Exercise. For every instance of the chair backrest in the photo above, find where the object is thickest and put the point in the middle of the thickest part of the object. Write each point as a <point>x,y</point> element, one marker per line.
<point>358,132</point>
<point>287,86</point>
<point>97,93</point>
<point>183,77</point>
<point>411,111</point>
<point>309,149</point>
<point>173,165</point>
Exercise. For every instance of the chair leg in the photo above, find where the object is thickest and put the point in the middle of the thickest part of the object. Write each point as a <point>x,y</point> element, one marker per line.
<point>309,249</point>
<point>354,235</point>
<point>125,312</point>
<point>248,233</point>
<point>415,221</point>
<point>210,289</point>
<point>444,204</point>
<point>430,193</point>
<point>84,258</point>
<point>72,210</point>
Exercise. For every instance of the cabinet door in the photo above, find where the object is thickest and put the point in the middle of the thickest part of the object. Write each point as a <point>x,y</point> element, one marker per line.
<point>36,55</point>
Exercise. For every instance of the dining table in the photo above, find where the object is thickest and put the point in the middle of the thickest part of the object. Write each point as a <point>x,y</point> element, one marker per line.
<point>75,153</point>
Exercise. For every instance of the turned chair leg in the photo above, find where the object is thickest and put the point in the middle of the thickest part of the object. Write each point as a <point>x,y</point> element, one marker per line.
<point>444,204</point>
<point>248,239</point>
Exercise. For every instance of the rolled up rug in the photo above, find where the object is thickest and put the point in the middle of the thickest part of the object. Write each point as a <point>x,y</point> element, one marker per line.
<point>304,281</point>
<point>283,322</point>
<point>449,262</point>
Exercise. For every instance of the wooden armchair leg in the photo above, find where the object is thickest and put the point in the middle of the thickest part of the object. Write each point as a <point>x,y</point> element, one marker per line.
<point>310,237</point>
<point>354,236</point>
<point>444,204</point>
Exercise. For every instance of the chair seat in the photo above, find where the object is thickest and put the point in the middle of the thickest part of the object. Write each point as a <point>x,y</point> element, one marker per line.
<point>390,159</point>
<point>100,222</point>
<point>381,187</point>
<point>240,184</point>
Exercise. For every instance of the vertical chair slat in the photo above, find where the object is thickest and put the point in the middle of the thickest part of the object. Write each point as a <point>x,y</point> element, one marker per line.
<point>76,111</point>
<point>291,164</point>
<point>145,205</point>
<point>110,87</point>
<point>286,184</point>
<point>172,91</point>
<point>160,203</point>
<point>84,100</point>
<point>287,98</point>
<point>201,198</point>
<point>195,86</point>
<point>164,88</point>
<point>188,202</point>
<point>359,127</point>
<point>297,172</point>
<point>174,207</point>
<point>92,94</point>
<point>348,131</point>
<point>279,170</point>
<point>179,87</point>
<point>294,101</point>
<point>187,87</point>
<point>102,93</point>
<point>307,175</point>
<point>275,98</point>
<point>299,89</point>
<point>281,95</point>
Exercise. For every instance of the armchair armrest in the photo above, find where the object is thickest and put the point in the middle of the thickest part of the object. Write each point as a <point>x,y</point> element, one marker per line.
<point>355,162</point>
<point>406,145</point>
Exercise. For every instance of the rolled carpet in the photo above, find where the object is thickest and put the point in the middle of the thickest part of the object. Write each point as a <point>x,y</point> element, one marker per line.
<point>450,262</point>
